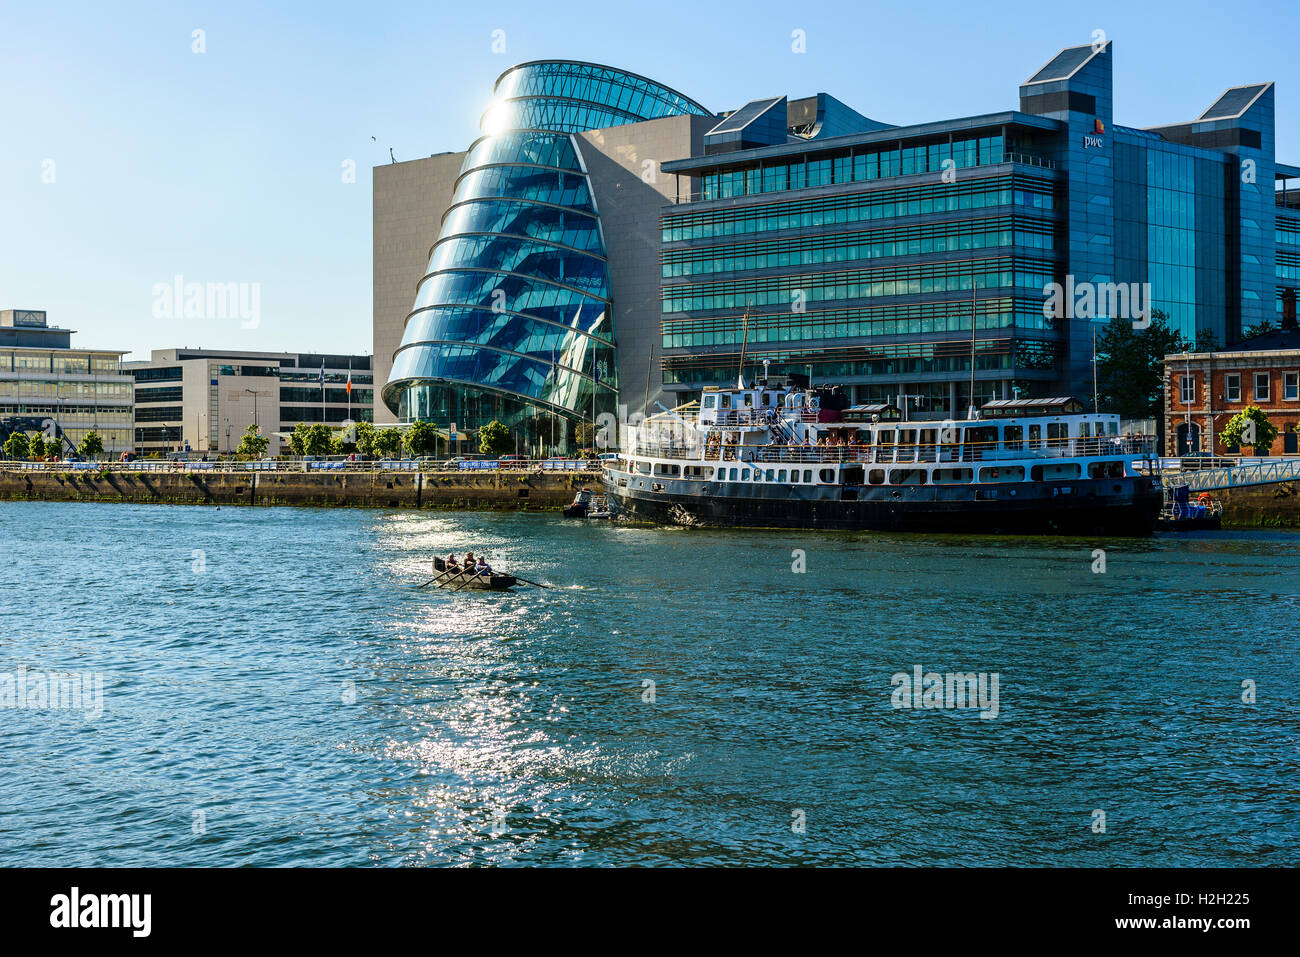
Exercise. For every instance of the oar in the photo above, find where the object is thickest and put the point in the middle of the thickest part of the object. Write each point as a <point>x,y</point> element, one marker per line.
<point>528,582</point>
<point>442,574</point>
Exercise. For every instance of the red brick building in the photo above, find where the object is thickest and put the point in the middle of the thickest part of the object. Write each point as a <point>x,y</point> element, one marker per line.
<point>1204,390</point>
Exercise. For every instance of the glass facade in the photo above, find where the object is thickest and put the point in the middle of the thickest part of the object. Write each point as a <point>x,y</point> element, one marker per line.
<point>514,318</point>
<point>1171,228</point>
<point>868,283</point>
<point>78,391</point>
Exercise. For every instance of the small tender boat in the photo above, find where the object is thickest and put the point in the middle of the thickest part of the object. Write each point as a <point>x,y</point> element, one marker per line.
<point>1180,513</point>
<point>457,579</point>
<point>587,505</point>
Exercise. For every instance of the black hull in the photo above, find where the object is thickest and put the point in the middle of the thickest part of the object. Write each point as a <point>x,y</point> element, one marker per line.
<point>1125,507</point>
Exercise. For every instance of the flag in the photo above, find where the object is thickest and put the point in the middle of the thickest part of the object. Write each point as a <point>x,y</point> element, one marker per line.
<point>322,373</point>
<point>349,385</point>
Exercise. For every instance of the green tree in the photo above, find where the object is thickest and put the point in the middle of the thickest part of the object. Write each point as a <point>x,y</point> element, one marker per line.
<point>387,442</point>
<point>1250,427</point>
<point>494,439</point>
<point>1130,366</point>
<point>316,439</point>
<point>91,445</point>
<point>365,433</point>
<point>253,443</point>
<point>1258,330</point>
<point>1206,341</point>
<point>584,435</point>
<point>36,447</point>
<point>17,446</point>
<point>421,438</point>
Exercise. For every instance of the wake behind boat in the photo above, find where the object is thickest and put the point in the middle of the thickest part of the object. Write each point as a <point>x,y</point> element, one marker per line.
<point>779,454</point>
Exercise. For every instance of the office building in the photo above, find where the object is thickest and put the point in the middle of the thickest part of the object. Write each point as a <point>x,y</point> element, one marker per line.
<point>48,386</point>
<point>203,400</point>
<point>606,233</point>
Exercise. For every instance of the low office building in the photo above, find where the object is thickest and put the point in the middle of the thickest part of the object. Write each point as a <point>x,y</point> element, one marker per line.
<point>48,386</point>
<point>1205,390</point>
<point>606,234</point>
<point>203,400</point>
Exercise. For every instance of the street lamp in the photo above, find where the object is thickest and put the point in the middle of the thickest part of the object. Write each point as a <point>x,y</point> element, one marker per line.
<point>255,393</point>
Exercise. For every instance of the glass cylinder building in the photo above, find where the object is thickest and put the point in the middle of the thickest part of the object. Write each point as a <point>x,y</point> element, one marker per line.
<point>514,319</point>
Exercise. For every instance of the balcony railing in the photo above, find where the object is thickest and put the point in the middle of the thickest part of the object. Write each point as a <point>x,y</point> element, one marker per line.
<point>1142,446</point>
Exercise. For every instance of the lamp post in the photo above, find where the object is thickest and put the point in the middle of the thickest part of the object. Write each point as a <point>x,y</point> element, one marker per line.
<point>255,393</point>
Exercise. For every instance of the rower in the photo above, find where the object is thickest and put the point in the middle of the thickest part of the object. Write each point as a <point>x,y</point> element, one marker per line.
<point>483,568</point>
<point>452,563</point>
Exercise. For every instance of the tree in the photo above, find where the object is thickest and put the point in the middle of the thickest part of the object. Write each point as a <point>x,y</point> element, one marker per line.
<point>316,440</point>
<point>365,433</point>
<point>343,442</point>
<point>1206,341</point>
<point>298,439</point>
<point>422,438</point>
<point>494,439</point>
<point>36,447</point>
<point>17,446</point>
<point>1259,329</point>
<point>387,442</point>
<point>253,443</point>
<point>584,435</point>
<point>1130,366</point>
<point>1250,427</point>
<point>91,444</point>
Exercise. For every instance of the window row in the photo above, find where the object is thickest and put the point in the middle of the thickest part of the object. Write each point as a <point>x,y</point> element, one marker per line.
<point>857,207</point>
<point>854,323</point>
<point>851,247</point>
<point>854,167</point>
<point>795,292</point>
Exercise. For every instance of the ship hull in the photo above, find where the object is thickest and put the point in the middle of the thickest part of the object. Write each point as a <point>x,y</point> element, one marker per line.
<point>1126,506</point>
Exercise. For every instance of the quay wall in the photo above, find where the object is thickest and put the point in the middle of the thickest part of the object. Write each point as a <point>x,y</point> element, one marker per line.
<point>504,490</point>
<point>1261,506</point>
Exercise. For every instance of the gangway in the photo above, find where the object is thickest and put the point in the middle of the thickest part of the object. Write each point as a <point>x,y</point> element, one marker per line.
<point>1260,473</point>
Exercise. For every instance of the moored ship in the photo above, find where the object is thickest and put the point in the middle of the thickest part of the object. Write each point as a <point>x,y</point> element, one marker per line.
<point>778,454</point>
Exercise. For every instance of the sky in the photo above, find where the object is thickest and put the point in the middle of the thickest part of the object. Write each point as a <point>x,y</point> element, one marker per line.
<point>130,157</point>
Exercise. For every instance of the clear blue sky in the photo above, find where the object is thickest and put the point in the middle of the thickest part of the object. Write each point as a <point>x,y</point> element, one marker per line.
<point>226,166</point>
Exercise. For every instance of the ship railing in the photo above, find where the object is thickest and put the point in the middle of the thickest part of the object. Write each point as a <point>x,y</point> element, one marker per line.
<point>891,454</point>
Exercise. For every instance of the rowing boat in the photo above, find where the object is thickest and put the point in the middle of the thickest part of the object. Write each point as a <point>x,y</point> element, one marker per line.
<point>458,579</point>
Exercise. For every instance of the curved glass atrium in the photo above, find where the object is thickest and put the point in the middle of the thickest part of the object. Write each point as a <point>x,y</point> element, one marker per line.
<point>513,319</point>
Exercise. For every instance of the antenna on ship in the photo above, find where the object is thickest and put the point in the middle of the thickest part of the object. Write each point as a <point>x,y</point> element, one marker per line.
<point>1094,368</point>
<point>744,340</point>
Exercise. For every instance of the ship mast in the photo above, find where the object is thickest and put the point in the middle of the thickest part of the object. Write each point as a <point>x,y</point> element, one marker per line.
<point>970,411</point>
<point>744,340</point>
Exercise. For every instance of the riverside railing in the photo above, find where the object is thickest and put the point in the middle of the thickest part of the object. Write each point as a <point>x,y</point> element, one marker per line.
<point>306,465</point>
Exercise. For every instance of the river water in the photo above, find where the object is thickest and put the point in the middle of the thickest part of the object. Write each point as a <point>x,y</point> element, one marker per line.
<point>275,690</point>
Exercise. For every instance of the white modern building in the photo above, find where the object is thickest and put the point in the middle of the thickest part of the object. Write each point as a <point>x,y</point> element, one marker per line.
<point>203,400</point>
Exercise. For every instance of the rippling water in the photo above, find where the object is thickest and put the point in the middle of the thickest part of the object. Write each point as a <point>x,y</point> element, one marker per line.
<point>276,691</point>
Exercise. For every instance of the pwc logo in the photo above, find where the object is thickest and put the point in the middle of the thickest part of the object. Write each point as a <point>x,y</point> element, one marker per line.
<point>1094,140</point>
